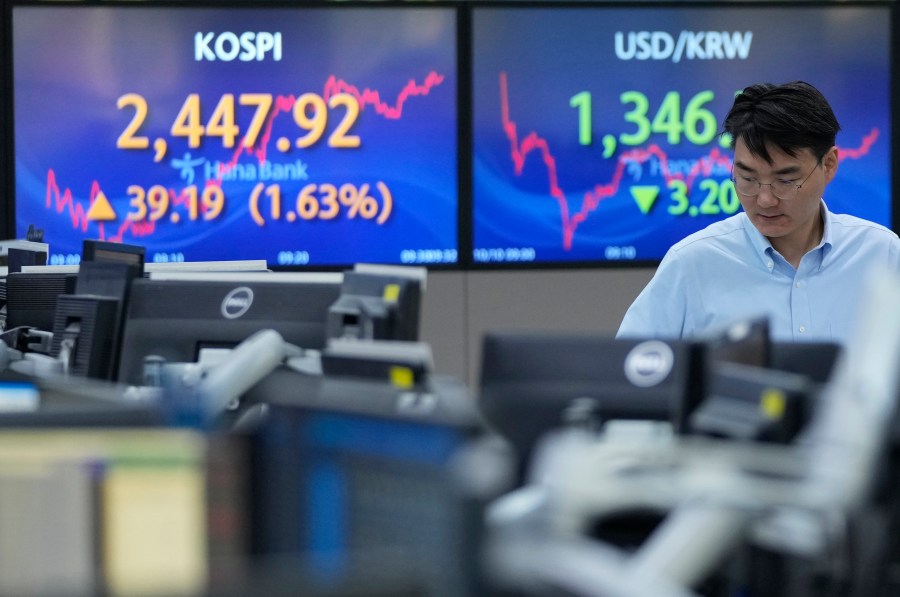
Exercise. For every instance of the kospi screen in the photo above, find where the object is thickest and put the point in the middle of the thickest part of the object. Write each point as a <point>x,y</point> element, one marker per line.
<point>305,135</point>
<point>596,129</point>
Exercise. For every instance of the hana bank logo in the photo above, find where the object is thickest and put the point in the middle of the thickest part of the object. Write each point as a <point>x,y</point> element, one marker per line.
<point>689,45</point>
<point>246,47</point>
<point>237,302</point>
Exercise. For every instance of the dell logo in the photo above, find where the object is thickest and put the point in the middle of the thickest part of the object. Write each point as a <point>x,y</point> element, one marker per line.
<point>237,302</point>
<point>649,363</point>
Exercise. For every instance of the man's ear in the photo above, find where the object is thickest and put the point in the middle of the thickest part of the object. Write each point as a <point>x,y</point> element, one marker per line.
<point>830,164</point>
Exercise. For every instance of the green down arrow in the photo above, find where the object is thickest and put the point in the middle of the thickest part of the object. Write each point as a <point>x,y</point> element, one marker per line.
<point>645,197</point>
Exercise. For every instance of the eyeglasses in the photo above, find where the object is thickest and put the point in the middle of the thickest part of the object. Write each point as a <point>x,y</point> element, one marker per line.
<point>784,190</point>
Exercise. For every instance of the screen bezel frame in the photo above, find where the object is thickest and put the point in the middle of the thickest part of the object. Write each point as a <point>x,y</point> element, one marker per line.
<point>7,97</point>
<point>465,177</point>
<point>893,108</point>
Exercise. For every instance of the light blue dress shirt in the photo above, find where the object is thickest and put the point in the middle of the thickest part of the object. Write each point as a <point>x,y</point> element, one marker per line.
<point>729,271</point>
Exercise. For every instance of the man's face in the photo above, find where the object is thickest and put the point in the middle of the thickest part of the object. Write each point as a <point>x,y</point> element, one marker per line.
<point>796,212</point>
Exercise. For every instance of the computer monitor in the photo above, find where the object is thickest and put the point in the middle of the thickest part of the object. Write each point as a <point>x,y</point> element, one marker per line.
<point>87,325</point>
<point>596,124</point>
<point>16,254</point>
<point>533,382</point>
<point>99,250</point>
<point>345,485</point>
<point>378,303</point>
<point>243,265</point>
<point>745,341</point>
<point>31,297</point>
<point>305,134</point>
<point>815,360</point>
<point>175,315</point>
<point>756,389</point>
<point>747,403</point>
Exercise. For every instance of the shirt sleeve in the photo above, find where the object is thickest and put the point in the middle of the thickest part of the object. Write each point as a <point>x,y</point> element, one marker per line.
<point>659,311</point>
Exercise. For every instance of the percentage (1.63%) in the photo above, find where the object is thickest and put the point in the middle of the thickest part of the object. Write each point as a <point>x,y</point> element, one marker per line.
<point>323,202</point>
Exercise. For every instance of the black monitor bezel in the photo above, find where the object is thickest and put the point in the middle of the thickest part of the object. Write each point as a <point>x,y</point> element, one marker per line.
<point>650,5</point>
<point>464,11</point>
<point>7,115</point>
<point>159,307</point>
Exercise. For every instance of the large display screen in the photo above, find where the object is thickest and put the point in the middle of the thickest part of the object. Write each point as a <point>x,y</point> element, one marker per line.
<point>306,135</point>
<point>596,128</point>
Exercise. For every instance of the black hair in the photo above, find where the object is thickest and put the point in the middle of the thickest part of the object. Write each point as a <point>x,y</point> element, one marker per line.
<point>792,116</point>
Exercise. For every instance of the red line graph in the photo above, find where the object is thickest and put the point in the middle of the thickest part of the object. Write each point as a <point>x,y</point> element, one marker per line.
<point>63,200</point>
<point>333,86</point>
<point>532,142</point>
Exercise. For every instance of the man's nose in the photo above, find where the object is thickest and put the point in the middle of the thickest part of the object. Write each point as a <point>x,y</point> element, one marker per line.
<point>766,197</point>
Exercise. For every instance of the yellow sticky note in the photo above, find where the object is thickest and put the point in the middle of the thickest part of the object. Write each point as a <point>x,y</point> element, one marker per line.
<point>402,377</point>
<point>391,293</point>
<point>154,530</point>
<point>772,403</point>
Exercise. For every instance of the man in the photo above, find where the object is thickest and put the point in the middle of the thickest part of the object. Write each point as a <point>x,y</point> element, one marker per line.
<point>785,255</point>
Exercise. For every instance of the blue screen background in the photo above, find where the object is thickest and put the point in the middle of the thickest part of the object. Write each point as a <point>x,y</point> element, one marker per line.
<point>72,64</point>
<point>547,56</point>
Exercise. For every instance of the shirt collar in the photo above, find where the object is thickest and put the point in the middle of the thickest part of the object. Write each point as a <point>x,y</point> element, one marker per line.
<point>826,243</point>
<point>761,244</point>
